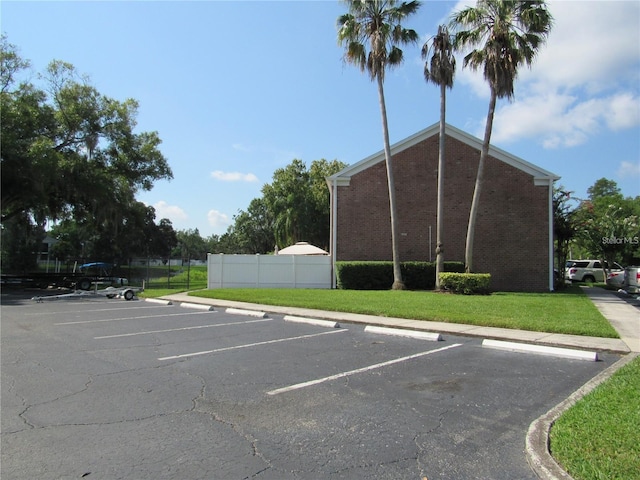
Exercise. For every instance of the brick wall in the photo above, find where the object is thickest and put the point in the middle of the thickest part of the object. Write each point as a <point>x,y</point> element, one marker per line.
<point>512,230</point>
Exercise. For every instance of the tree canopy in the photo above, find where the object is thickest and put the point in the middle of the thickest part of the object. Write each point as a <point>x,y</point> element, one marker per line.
<point>604,226</point>
<point>608,224</point>
<point>505,35</point>
<point>293,208</point>
<point>70,153</point>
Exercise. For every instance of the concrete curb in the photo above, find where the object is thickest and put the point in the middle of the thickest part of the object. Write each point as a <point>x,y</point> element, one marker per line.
<point>158,300</point>
<point>537,439</point>
<point>311,321</point>
<point>198,306</point>
<point>541,350</point>
<point>402,332</point>
<point>249,313</point>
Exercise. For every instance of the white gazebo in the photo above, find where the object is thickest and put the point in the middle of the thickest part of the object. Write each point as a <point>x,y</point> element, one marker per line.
<point>302,248</point>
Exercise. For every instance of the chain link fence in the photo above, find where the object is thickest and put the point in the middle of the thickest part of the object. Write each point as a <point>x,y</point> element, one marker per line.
<point>171,274</point>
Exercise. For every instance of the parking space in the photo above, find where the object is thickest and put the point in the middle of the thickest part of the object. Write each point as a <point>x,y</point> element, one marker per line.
<point>143,390</point>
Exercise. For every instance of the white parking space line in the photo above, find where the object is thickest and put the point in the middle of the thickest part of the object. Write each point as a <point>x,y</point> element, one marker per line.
<point>248,345</point>
<point>359,370</point>
<point>182,328</point>
<point>79,322</point>
<point>48,312</point>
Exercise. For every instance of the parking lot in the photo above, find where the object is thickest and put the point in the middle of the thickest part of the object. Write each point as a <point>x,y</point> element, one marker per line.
<point>107,389</point>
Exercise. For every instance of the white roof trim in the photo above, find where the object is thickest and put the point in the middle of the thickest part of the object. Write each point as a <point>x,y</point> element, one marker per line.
<point>538,173</point>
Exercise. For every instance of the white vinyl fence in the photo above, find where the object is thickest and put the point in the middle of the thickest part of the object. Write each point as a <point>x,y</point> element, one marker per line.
<point>268,271</point>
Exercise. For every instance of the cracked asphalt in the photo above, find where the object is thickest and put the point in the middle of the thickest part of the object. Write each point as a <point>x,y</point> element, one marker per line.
<point>109,389</point>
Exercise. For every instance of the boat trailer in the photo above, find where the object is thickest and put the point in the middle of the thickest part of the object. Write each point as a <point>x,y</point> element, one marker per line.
<point>128,293</point>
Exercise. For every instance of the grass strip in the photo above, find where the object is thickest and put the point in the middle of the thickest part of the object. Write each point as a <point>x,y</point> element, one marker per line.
<point>599,437</point>
<point>567,312</point>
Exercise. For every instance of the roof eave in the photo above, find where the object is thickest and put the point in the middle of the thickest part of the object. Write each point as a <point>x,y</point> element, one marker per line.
<point>345,175</point>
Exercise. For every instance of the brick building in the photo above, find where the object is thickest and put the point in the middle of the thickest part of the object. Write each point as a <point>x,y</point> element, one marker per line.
<point>514,231</point>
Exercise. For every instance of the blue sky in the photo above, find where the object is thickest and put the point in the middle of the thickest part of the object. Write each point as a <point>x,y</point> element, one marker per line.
<point>238,89</point>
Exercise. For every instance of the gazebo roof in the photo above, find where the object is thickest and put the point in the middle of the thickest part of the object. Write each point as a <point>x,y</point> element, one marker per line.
<point>302,248</point>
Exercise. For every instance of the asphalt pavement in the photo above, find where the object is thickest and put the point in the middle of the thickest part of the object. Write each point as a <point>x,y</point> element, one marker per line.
<point>103,389</point>
<point>619,308</point>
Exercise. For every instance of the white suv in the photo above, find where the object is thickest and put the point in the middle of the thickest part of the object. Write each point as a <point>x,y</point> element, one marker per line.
<point>588,270</point>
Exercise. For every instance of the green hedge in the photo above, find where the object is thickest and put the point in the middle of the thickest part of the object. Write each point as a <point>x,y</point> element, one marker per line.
<point>466,283</point>
<point>379,275</point>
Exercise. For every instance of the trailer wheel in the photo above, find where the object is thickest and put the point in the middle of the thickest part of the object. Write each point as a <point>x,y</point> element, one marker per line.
<point>84,284</point>
<point>128,294</point>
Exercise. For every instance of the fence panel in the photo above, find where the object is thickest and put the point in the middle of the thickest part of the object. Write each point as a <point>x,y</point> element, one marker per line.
<point>268,271</point>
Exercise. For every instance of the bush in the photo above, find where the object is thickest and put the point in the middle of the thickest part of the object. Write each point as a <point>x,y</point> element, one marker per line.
<point>466,283</point>
<point>363,275</point>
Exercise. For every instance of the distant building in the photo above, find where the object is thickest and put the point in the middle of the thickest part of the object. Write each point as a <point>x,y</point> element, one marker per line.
<point>514,231</point>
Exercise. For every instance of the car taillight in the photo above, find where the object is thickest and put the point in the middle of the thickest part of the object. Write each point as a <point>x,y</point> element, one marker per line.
<point>573,270</point>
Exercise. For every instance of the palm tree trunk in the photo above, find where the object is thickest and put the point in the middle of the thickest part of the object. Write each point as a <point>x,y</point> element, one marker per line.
<point>473,214</point>
<point>398,284</point>
<point>440,207</point>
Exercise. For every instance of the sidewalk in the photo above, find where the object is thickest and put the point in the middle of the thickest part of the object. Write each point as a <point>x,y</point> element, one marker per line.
<point>622,311</point>
<point>623,316</point>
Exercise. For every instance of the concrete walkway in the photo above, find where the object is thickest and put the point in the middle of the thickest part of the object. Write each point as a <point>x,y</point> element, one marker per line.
<point>621,310</point>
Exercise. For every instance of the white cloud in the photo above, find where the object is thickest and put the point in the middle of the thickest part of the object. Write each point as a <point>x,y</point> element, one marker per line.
<point>593,45</point>
<point>233,176</point>
<point>172,212</point>
<point>628,169</point>
<point>623,111</point>
<point>472,79</point>
<point>584,80</point>
<point>217,219</point>
<point>530,117</point>
<point>240,147</point>
<point>559,120</point>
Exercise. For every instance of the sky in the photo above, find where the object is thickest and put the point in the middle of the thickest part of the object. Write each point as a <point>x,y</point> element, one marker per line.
<point>238,89</point>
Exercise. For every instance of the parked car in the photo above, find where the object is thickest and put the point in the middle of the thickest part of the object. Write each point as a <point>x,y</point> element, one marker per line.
<point>589,270</point>
<point>631,282</point>
<point>615,279</point>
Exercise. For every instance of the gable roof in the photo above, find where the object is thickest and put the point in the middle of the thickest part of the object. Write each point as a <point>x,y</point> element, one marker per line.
<point>540,176</point>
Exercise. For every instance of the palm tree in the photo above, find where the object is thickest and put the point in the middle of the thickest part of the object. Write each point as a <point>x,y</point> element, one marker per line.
<point>508,34</point>
<point>440,70</point>
<point>372,32</point>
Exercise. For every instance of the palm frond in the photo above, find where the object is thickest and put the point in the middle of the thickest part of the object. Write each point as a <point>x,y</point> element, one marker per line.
<point>504,34</point>
<point>442,66</point>
<point>375,26</point>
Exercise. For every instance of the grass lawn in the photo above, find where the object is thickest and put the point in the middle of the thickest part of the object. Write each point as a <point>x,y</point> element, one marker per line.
<point>569,312</point>
<point>599,437</point>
